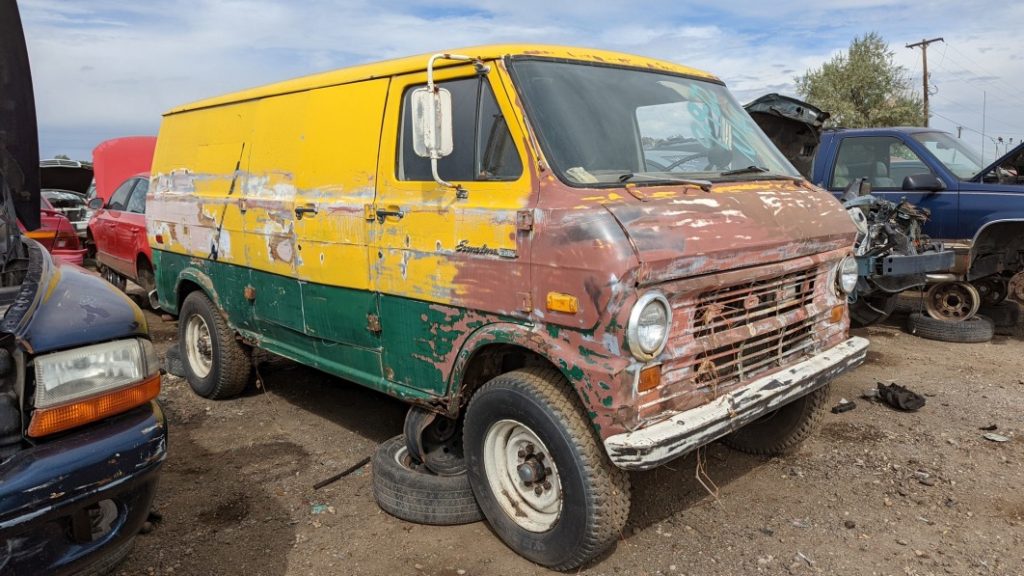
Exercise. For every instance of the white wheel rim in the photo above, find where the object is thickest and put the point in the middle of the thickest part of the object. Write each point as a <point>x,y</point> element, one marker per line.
<point>198,346</point>
<point>505,444</point>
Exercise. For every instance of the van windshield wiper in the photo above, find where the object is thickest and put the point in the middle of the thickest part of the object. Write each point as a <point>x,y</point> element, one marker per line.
<point>704,185</point>
<point>747,170</point>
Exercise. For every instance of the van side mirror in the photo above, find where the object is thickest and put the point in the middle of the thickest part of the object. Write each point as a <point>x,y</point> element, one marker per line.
<point>432,123</point>
<point>927,182</point>
<point>95,203</point>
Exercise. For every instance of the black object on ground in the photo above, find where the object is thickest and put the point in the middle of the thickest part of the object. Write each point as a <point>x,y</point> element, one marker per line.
<point>342,474</point>
<point>900,397</point>
<point>989,428</point>
<point>843,406</point>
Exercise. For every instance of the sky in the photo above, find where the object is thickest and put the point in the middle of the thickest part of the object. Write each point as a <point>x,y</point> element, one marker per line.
<point>105,68</point>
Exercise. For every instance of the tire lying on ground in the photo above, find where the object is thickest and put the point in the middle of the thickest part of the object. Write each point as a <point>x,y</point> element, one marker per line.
<point>976,329</point>
<point>782,431</point>
<point>407,490</point>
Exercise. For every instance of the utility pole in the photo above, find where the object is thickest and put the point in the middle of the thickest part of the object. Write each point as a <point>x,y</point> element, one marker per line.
<point>924,79</point>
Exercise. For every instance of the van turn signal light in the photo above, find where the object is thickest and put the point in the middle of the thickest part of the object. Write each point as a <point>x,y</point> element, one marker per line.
<point>837,313</point>
<point>559,302</point>
<point>650,377</point>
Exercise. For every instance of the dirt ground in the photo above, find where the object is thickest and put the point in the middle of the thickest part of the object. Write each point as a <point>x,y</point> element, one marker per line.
<point>874,492</point>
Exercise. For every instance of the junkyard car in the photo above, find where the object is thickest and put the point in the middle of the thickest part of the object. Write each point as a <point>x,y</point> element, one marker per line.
<point>81,437</point>
<point>57,235</point>
<point>480,236</point>
<point>118,230</point>
<point>71,205</point>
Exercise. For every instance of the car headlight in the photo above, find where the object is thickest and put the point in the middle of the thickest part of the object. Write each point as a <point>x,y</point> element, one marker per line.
<point>78,386</point>
<point>846,275</point>
<point>649,324</point>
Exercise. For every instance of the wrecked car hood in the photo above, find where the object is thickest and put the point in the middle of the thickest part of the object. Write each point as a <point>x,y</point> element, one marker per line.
<point>57,176</point>
<point>682,234</point>
<point>794,126</point>
<point>118,159</point>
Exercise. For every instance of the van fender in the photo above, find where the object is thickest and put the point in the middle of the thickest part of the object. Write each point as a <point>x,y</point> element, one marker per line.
<point>569,353</point>
<point>198,277</point>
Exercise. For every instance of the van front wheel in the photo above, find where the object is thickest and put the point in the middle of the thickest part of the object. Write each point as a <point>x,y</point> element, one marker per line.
<point>539,473</point>
<point>216,365</point>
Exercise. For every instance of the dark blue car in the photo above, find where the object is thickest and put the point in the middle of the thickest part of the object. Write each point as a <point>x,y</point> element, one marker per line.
<point>82,438</point>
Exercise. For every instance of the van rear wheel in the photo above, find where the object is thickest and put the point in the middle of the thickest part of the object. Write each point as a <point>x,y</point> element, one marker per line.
<point>216,364</point>
<point>539,473</point>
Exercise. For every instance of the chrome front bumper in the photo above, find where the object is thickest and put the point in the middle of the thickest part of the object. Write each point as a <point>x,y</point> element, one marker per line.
<point>657,444</point>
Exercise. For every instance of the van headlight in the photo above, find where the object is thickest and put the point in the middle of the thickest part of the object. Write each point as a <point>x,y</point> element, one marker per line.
<point>649,324</point>
<point>846,275</point>
<point>86,384</point>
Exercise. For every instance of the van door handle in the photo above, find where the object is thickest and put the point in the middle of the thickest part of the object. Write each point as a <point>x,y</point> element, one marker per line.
<point>305,209</point>
<point>397,213</point>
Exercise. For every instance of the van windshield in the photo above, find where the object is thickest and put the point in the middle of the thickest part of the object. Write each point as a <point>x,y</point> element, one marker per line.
<point>601,125</point>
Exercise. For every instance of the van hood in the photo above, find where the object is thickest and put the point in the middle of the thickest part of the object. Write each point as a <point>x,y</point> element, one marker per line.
<point>734,226</point>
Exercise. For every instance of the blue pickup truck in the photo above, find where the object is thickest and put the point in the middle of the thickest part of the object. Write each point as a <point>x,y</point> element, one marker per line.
<point>976,209</point>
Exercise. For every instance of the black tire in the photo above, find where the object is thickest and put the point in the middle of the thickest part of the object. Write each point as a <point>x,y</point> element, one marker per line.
<point>1006,314</point>
<point>407,490</point>
<point>973,330</point>
<point>173,363</point>
<point>594,494</point>
<point>231,364</point>
<point>782,431</point>
<point>872,309</point>
<point>440,442</point>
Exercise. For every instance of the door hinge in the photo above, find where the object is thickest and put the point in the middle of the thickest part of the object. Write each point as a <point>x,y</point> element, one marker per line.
<point>524,220</point>
<point>368,212</point>
<point>373,323</point>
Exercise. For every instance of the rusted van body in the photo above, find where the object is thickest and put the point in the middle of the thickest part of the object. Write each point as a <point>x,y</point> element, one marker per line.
<point>618,224</point>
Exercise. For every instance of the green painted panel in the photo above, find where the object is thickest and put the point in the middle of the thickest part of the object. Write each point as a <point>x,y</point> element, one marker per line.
<point>278,302</point>
<point>228,284</point>
<point>339,314</point>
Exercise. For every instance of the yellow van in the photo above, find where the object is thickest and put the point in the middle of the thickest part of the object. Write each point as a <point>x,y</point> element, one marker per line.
<point>570,262</point>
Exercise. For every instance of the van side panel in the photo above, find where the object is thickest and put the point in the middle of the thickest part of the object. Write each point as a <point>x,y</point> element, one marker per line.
<point>307,277</point>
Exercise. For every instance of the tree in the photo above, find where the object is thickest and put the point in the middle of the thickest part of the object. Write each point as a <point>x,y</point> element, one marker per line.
<point>62,157</point>
<point>863,88</point>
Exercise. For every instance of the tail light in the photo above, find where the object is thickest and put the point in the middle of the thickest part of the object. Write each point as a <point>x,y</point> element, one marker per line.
<point>66,238</point>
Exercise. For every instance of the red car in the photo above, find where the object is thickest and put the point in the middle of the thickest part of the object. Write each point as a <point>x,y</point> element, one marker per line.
<point>118,228</point>
<point>57,235</point>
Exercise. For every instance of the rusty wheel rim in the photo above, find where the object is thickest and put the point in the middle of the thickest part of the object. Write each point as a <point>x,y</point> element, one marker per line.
<point>952,301</point>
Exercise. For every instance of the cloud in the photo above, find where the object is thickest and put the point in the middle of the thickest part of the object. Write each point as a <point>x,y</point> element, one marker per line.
<point>105,68</point>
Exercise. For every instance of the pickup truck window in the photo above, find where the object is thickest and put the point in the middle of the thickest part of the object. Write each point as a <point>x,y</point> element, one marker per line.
<point>884,160</point>
<point>600,125</point>
<point>958,157</point>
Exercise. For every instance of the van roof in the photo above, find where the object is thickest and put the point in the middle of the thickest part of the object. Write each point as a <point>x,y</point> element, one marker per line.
<point>419,63</point>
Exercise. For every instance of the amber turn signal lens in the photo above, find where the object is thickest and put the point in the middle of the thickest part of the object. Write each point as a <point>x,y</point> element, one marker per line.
<point>558,302</point>
<point>837,314</point>
<point>650,377</point>
<point>48,421</point>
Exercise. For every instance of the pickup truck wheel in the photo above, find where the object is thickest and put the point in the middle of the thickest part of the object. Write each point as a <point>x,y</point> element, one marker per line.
<point>782,431</point>
<point>873,308</point>
<point>540,475</point>
<point>216,365</point>
<point>977,329</point>
<point>406,489</point>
